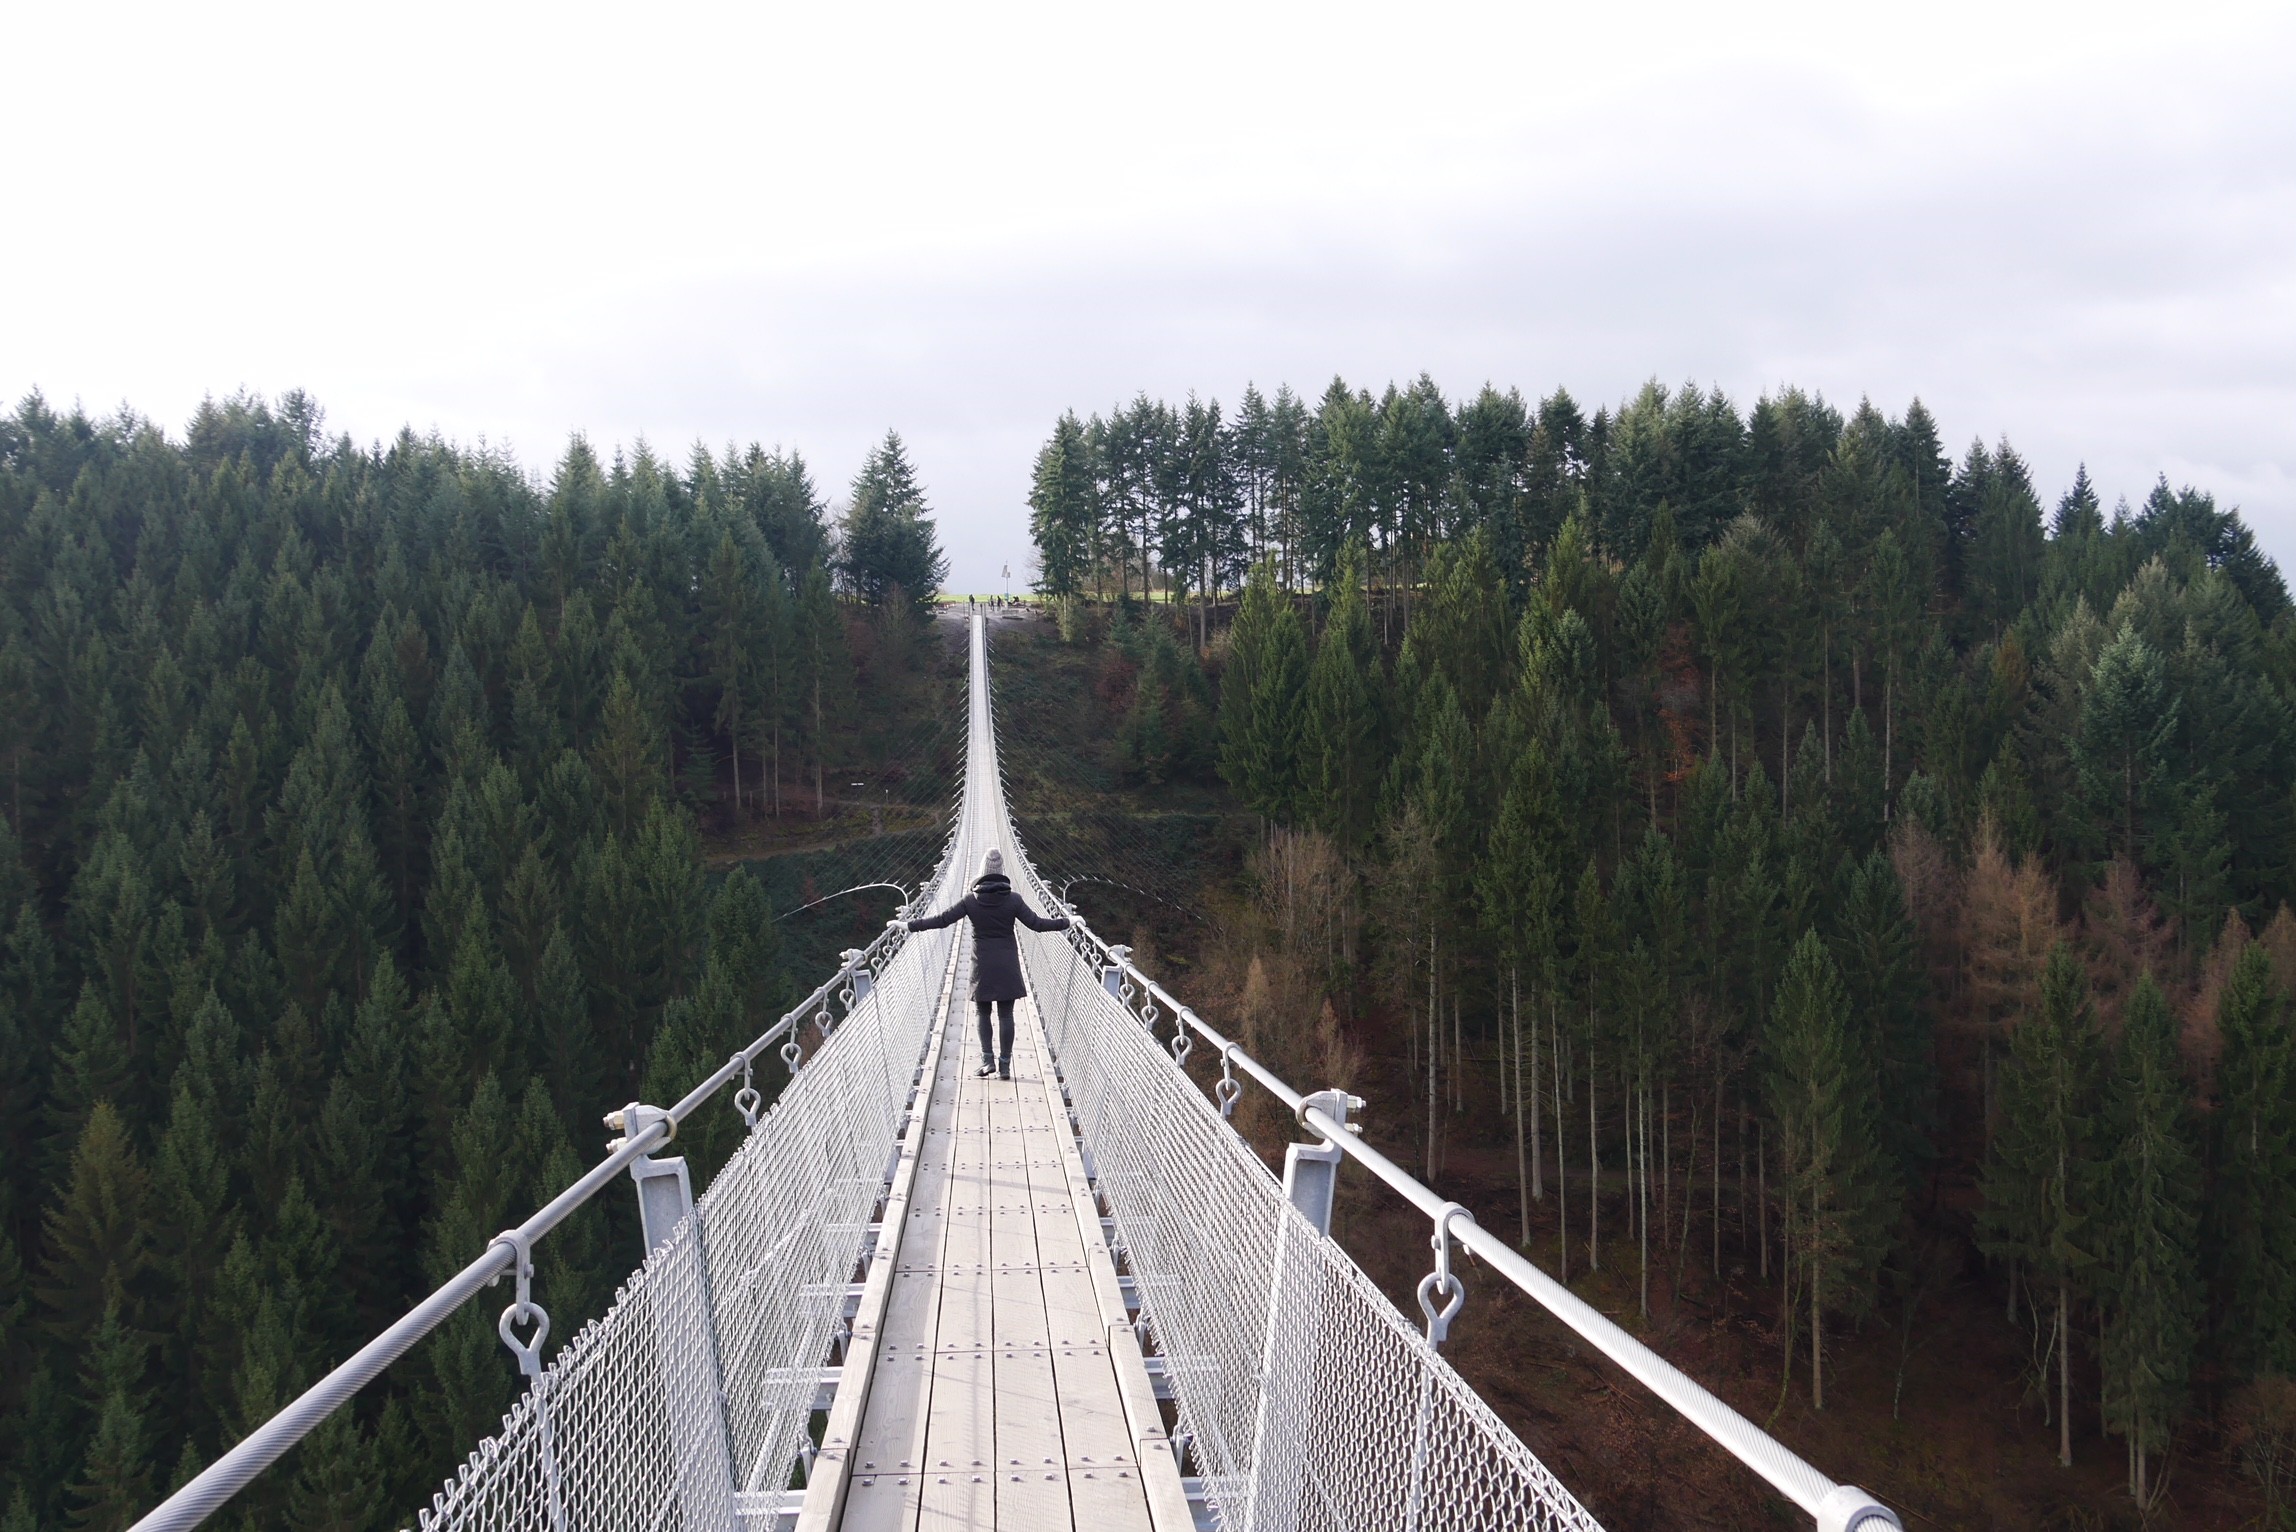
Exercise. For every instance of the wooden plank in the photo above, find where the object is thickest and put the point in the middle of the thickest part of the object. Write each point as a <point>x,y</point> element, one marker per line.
<point>1108,1498</point>
<point>1032,1479</point>
<point>829,1481</point>
<point>959,1482</point>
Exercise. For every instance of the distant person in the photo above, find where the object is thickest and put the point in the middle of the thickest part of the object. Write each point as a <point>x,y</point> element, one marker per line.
<point>992,907</point>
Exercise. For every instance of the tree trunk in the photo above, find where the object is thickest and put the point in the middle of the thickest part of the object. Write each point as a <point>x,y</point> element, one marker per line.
<point>1562,1158</point>
<point>2064,1377</point>
<point>1434,1047</point>
<point>1888,733</point>
<point>1522,1148</point>
<point>1817,1333</point>
<point>1762,1197</point>
<point>1593,1170</point>
<point>1538,1147</point>
<point>1643,1196</point>
<point>1826,695</point>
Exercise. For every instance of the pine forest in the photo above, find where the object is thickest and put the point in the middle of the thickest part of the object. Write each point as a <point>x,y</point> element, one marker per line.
<point>1827,899</point>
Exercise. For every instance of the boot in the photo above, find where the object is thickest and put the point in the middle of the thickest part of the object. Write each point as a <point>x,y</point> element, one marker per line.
<point>986,1069</point>
<point>1004,1067</point>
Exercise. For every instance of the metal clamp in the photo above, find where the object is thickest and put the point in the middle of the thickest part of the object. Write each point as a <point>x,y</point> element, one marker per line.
<point>791,1053</point>
<point>523,1310</point>
<point>1181,1043</point>
<point>1442,1282</point>
<point>1850,1509</point>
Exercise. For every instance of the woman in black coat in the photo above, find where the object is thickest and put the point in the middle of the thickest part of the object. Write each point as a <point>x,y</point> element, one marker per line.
<point>993,907</point>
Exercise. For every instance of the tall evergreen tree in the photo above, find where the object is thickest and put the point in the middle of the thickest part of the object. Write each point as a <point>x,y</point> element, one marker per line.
<point>2251,1210</point>
<point>2042,1180</point>
<point>1839,1188</point>
<point>887,543</point>
<point>2152,1282</point>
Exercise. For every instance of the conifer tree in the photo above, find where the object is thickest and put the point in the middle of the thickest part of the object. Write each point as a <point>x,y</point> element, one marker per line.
<point>629,762</point>
<point>1882,974</point>
<point>1838,1186</point>
<point>2041,1178</point>
<point>1272,730</point>
<point>98,1232</point>
<point>887,545</point>
<point>2120,751</point>
<point>2151,1263</point>
<point>1063,510</point>
<point>2251,1213</point>
<point>1248,640</point>
<point>1340,722</point>
<point>114,1484</point>
<point>474,1379</point>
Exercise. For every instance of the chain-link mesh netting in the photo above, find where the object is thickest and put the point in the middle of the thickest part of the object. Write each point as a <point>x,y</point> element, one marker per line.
<point>1311,1402</point>
<point>699,1381</point>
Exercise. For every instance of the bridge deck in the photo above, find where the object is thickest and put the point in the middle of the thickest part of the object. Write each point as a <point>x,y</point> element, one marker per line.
<point>997,1398</point>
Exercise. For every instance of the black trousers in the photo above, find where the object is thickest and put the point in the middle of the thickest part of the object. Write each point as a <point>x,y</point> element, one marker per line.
<point>1003,1035</point>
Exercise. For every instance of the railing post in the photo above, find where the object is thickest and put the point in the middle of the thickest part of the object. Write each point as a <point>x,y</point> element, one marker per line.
<point>858,975</point>
<point>685,1330</point>
<point>1112,974</point>
<point>1293,1341</point>
<point>1311,1171</point>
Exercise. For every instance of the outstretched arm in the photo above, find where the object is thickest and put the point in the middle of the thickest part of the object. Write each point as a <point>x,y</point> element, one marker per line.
<point>1036,922</point>
<point>947,917</point>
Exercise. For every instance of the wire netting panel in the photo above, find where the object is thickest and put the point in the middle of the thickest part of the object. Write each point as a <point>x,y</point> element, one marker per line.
<point>1312,1403</point>
<point>739,1304</point>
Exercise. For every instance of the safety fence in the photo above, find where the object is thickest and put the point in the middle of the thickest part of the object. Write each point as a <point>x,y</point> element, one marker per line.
<point>694,1390</point>
<point>1307,1400</point>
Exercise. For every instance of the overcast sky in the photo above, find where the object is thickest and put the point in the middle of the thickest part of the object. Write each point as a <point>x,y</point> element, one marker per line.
<point>2071,225</point>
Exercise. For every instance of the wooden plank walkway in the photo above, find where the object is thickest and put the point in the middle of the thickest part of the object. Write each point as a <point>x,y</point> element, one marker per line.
<point>1006,1389</point>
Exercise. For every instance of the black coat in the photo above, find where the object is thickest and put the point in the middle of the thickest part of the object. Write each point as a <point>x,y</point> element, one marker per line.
<point>992,907</point>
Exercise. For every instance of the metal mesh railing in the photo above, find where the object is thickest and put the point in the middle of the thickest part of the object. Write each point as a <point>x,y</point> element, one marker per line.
<point>1310,1402</point>
<point>626,1428</point>
<point>687,1405</point>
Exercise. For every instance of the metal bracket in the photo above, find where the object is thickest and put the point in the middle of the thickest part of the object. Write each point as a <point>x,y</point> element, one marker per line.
<point>665,1187</point>
<point>1311,1171</point>
<point>859,979</point>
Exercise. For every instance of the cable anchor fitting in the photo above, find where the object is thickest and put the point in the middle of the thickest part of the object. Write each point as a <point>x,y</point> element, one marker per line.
<point>1229,1088</point>
<point>746,1100</point>
<point>523,1310</point>
<point>1442,1283</point>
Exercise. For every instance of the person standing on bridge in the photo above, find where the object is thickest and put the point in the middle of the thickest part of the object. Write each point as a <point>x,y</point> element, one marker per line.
<point>993,907</point>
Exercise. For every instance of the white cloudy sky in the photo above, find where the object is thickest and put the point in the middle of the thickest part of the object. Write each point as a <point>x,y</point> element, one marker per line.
<point>2073,225</point>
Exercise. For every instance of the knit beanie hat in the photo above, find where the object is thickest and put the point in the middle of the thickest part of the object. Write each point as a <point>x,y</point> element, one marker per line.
<point>993,865</point>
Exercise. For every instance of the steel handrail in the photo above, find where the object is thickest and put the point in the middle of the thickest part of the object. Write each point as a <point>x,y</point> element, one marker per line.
<point>1836,1507</point>
<point>214,1485</point>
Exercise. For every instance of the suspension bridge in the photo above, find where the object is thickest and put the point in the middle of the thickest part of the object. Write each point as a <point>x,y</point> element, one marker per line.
<point>916,1298</point>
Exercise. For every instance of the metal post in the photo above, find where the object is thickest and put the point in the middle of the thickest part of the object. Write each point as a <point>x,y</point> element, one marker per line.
<point>685,1330</point>
<point>1311,1171</point>
<point>1112,976</point>
<point>1293,1342</point>
<point>858,977</point>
